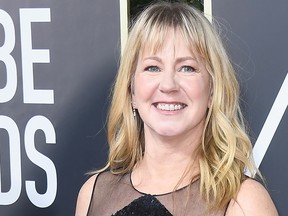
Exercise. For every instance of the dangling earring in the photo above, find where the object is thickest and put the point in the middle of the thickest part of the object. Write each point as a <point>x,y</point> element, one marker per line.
<point>133,109</point>
<point>134,112</point>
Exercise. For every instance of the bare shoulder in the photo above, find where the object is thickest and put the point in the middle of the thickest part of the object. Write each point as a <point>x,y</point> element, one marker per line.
<point>252,199</point>
<point>84,196</point>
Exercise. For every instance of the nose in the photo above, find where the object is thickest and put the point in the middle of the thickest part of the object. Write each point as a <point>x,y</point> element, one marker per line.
<point>168,82</point>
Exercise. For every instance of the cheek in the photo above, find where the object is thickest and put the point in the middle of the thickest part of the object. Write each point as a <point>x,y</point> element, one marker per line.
<point>198,91</point>
<point>144,89</point>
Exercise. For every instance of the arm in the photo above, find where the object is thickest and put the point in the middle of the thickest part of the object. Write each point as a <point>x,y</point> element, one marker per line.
<point>84,197</point>
<point>252,200</point>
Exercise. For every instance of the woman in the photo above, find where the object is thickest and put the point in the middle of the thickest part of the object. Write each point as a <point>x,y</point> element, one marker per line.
<point>177,141</point>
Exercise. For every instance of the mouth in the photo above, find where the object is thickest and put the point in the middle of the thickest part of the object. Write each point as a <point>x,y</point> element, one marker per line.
<point>170,106</point>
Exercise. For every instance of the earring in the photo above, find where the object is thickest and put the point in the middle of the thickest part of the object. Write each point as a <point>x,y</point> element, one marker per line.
<point>134,112</point>
<point>134,109</point>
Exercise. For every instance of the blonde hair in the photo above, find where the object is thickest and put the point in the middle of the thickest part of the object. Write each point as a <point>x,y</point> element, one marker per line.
<point>226,149</point>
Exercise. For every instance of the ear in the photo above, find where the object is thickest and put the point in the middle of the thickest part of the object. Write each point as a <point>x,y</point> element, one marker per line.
<point>210,100</point>
<point>210,95</point>
<point>133,104</point>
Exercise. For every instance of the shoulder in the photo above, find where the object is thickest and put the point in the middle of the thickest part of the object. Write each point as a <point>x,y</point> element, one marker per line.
<point>252,199</point>
<point>84,196</point>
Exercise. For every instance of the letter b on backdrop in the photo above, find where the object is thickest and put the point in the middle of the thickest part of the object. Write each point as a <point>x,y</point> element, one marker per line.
<point>57,63</point>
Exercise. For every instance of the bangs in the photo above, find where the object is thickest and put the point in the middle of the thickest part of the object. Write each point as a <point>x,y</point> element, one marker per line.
<point>153,39</point>
<point>152,27</point>
<point>152,36</point>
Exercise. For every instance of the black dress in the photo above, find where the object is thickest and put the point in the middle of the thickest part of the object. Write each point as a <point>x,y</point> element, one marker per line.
<point>115,195</point>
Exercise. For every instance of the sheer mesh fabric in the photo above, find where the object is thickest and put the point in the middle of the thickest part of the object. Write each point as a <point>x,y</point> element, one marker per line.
<point>115,195</point>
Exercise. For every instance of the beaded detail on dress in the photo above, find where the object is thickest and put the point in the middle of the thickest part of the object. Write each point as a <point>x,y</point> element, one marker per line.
<point>114,195</point>
<point>146,205</point>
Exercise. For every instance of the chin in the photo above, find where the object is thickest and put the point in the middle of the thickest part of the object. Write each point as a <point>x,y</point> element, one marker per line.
<point>168,133</point>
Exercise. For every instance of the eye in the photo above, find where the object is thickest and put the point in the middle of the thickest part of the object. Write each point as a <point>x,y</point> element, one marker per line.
<point>152,69</point>
<point>187,68</point>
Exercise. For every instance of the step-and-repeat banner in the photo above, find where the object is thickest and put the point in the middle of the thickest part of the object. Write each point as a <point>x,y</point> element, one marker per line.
<point>58,60</point>
<point>57,63</point>
<point>256,34</point>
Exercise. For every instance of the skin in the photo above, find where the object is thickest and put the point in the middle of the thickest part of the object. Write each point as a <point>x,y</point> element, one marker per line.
<point>84,197</point>
<point>252,200</point>
<point>175,75</point>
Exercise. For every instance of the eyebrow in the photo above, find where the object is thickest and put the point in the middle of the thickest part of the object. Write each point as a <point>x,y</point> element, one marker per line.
<point>181,59</point>
<point>153,58</point>
<point>186,58</point>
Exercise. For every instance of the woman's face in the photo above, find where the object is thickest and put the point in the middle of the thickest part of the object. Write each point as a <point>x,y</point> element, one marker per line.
<point>172,89</point>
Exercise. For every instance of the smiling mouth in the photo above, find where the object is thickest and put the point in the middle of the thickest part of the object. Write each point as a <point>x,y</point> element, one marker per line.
<point>170,107</point>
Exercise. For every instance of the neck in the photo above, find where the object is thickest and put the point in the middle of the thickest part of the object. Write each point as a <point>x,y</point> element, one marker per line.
<point>168,160</point>
<point>170,152</point>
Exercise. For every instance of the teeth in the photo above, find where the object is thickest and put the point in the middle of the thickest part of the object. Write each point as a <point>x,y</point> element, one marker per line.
<point>170,107</point>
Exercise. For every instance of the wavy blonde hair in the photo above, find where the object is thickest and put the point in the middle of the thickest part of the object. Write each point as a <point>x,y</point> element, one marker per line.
<point>226,149</point>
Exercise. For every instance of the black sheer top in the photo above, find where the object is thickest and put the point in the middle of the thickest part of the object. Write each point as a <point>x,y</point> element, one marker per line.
<point>115,195</point>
